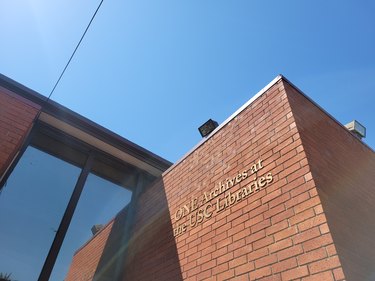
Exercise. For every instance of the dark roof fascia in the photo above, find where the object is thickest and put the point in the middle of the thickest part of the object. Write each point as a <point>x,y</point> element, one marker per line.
<point>62,113</point>
<point>21,90</point>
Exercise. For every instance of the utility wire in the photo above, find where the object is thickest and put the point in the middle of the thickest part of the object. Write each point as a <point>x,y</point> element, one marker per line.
<point>75,50</point>
<point>62,73</point>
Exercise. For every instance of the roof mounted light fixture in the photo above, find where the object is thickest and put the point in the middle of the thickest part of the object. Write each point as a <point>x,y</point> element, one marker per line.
<point>207,127</point>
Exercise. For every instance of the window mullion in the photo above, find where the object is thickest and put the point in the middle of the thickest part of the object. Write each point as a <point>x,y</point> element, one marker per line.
<point>65,221</point>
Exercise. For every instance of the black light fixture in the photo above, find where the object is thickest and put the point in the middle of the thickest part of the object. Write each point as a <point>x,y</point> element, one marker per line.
<point>207,127</point>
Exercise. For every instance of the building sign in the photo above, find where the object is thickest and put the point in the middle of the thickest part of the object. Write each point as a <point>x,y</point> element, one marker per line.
<point>221,197</point>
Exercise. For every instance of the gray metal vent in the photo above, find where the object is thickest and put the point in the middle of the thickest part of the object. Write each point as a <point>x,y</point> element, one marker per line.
<point>357,129</point>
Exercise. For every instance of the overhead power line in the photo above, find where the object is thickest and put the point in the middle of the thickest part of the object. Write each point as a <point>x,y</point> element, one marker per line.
<point>75,50</point>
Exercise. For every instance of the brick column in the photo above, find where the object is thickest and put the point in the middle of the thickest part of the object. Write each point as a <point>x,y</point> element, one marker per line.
<point>16,119</point>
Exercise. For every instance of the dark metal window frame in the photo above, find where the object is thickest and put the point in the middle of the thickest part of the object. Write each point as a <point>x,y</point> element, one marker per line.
<point>90,160</point>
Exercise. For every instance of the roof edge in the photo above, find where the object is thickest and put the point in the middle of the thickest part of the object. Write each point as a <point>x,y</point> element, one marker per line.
<point>80,122</point>
<point>325,112</point>
<point>225,122</point>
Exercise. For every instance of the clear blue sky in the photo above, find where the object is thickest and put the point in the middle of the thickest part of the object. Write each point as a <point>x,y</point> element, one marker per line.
<point>154,71</point>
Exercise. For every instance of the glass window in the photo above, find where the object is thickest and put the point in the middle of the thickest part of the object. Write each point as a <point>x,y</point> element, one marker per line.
<point>99,203</point>
<point>32,204</point>
<point>40,197</point>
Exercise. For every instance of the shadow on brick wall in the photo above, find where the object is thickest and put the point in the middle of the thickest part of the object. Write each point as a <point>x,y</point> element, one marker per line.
<point>148,251</point>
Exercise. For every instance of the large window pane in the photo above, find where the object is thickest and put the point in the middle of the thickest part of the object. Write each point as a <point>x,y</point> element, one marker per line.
<point>31,207</point>
<point>100,201</point>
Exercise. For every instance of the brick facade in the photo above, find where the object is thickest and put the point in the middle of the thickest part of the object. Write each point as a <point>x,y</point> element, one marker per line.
<point>86,259</point>
<point>96,257</point>
<point>280,192</point>
<point>343,169</point>
<point>16,118</point>
<point>264,198</point>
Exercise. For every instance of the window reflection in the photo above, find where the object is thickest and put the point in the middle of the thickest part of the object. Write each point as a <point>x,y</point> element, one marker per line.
<point>100,201</point>
<point>32,204</point>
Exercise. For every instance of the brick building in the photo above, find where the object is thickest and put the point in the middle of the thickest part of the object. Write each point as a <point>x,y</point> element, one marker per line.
<point>279,191</point>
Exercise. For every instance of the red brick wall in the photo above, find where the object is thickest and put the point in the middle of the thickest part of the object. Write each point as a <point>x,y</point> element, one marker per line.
<point>98,258</point>
<point>276,232</point>
<point>344,171</point>
<point>16,119</point>
<point>86,259</point>
<point>152,252</point>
